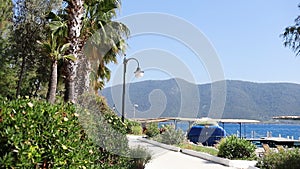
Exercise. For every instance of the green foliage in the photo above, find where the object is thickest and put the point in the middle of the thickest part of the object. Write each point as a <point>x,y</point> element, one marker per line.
<point>98,105</point>
<point>209,150</point>
<point>25,68</point>
<point>5,15</point>
<point>134,127</point>
<point>7,69</point>
<point>35,134</point>
<point>8,76</point>
<point>233,147</point>
<point>29,27</point>
<point>108,38</point>
<point>136,130</point>
<point>140,157</point>
<point>291,36</point>
<point>152,129</point>
<point>280,160</point>
<point>171,136</point>
<point>116,122</point>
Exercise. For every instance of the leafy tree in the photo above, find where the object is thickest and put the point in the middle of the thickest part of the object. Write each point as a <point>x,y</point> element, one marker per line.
<point>29,27</point>
<point>7,73</point>
<point>291,36</point>
<point>85,23</point>
<point>5,17</point>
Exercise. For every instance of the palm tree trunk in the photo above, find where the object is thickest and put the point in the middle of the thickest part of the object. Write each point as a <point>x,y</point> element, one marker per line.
<point>83,75</point>
<point>71,68</point>
<point>75,12</point>
<point>52,83</point>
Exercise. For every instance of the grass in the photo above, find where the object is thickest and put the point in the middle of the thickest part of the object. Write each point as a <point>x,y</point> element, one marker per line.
<point>209,150</point>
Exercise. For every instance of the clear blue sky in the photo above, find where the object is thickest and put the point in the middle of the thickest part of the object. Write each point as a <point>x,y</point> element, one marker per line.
<point>245,35</point>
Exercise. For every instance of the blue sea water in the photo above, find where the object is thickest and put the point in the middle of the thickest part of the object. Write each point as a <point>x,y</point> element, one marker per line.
<point>257,130</point>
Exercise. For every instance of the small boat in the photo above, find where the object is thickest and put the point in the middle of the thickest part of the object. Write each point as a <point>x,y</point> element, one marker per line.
<point>206,133</point>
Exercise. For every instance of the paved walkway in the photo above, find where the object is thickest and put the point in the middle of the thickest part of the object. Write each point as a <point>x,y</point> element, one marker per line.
<point>165,159</point>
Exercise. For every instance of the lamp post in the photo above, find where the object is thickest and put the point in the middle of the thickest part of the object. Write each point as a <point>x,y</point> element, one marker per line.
<point>134,107</point>
<point>138,73</point>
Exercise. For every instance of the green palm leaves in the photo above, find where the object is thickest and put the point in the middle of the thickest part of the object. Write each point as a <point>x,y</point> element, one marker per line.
<point>99,43</point>
<point>55,45</point>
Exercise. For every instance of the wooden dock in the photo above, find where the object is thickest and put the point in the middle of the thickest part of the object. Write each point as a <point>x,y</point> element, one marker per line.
<point>287,117</point>
<point>273,142</point>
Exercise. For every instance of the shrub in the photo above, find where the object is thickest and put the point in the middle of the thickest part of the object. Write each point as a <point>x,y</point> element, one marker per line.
<point>171,136</point>
<point>134,127</point>
<point>136,130</point>
<point>35,134</point>
<point>140,157</point>
<point>105,128</point>
<point>200,148</point>
<point>98,106</point>
<point>152,129</point>
<point>234,148</point>
<point>115,122</point>
<point>280,160</point>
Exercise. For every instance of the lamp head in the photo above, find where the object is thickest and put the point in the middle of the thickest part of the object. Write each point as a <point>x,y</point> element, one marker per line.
<point>139,73</point>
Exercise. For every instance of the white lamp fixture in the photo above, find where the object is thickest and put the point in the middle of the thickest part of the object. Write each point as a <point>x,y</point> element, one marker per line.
<point>139,73</point>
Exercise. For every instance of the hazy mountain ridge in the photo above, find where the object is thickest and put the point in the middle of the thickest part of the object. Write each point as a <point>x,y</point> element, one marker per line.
<point>176,97</point>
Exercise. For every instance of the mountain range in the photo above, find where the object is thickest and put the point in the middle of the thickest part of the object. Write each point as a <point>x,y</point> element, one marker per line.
<point>223,99</point>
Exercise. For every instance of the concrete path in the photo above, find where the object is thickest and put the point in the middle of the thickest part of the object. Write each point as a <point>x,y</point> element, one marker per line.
<point>165,159</point>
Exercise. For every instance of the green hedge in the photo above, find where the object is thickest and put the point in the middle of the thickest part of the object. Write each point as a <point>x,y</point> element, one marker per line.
<point>134,127</point>
<point>233,147</point>
<point>152,130</point>
<point>35,134</point>
<point>280,160</point>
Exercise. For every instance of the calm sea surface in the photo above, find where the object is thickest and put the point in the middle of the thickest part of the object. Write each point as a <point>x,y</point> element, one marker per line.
<point>258,130</point>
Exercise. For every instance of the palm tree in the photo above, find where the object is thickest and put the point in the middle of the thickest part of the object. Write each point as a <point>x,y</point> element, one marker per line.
<point>83,19</point>
<point>107,41</point>
<point>104,37</point>
<point>75,12</point>
<point>56,48</point>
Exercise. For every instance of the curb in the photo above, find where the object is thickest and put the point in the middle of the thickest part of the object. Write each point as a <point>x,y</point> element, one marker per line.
<point>165,146</point>
<point>226,162</point>
<point>206,156</point>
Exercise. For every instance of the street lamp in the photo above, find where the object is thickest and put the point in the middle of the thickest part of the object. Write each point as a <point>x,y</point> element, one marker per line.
<point>138,73</point>
<point>134,107</point>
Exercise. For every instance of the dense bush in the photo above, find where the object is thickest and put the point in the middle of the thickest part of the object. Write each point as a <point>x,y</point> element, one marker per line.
<point>136,130</point>
<point>116,122</point>
<point>280,160</point>
<point>98,106</point>
<point>152,129</point>
<point>233,147</point>
<point>171,136</point>
<point>140,157</point>
<point>134,127</point>
<point>35,134</point>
